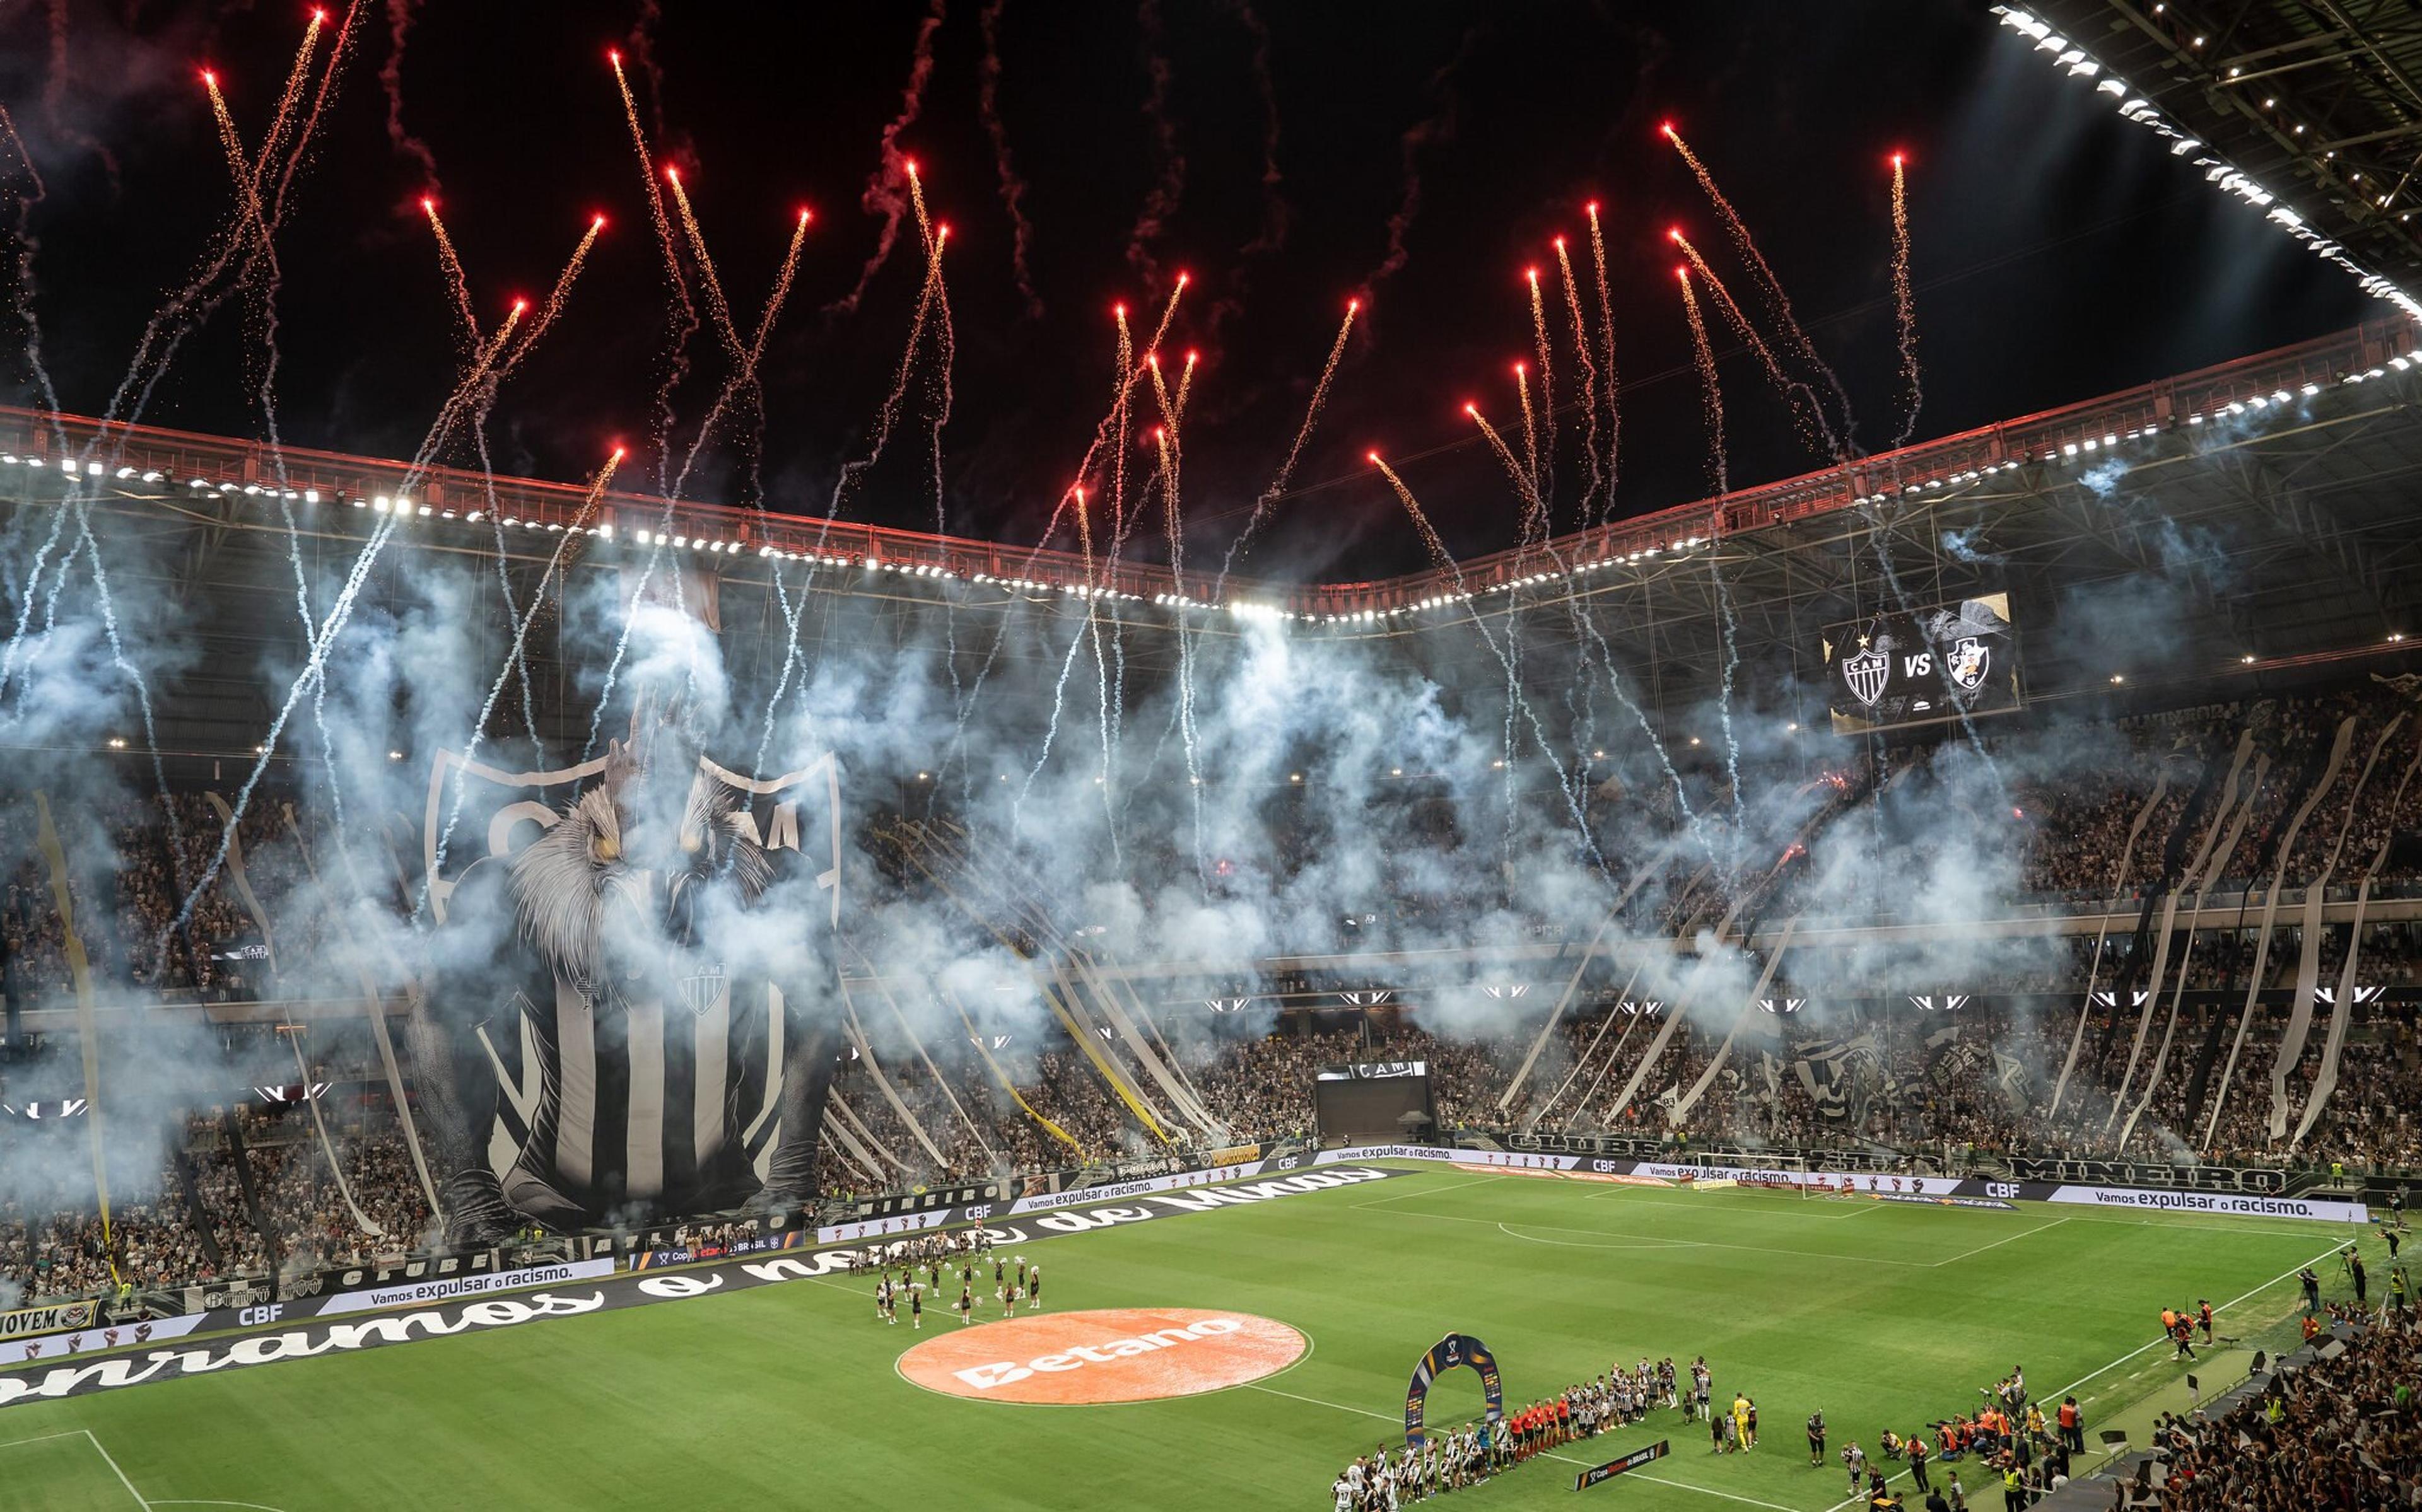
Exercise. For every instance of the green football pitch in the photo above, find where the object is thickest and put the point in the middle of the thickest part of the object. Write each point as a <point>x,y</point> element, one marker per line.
<point>787,1396</point>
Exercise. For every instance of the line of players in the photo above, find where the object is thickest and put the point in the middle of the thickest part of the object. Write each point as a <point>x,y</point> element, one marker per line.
<point>1011,1288</point>
<point>1471,1454</point>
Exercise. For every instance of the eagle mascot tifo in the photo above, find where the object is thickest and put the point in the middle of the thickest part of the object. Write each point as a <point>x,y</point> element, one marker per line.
<point>635,1016</point>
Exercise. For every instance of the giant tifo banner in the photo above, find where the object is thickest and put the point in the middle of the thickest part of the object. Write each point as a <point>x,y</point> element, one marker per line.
<point>1949,1191</point>
<point>333,1325</point>
<point>669,1090</point>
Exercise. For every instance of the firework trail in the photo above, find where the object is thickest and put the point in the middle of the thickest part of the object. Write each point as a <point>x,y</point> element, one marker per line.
<point>1530,421</point>
<point>399,27</point>
<point>1590,477</point>
<point>741,386</point>
<point>1514,471</point>
<point>1807,414</point>
<point>287,97</point>
<point>457,284</point>
<point>1059,689</point>
<point>517,615</point>
<point>259,273</point>
<point>640,42</point>
<point>1013,188</point>
<point>946,351</point>
<point>1714,398</point>
<point>153,348</point>
<point>684,313</point>
<point>193,303</point>
<point>741,382</point>
<point>1169,182</point>
<point>1184,386</point>
<point>1188,733</point>
<point>886,416</point>
<point>881,195</point>
<point>247,194</point>
<point>1546,465</point>
<point>57,85</point>
<point>1904,304</point>
<point>551,307</point>
<point>1607,380</point>
<point>1770,286</point>
<point>1446,563</point>
<point>484,368</point>
<point>1437,130</point>
<point>718,309</point>
<point>1273,232</point>
<point>1169,311</point>
<point>155,351</point>
<point>514,657</point>
<point>1269,495</point>
<point>21,306</point>
<point>320,97</point>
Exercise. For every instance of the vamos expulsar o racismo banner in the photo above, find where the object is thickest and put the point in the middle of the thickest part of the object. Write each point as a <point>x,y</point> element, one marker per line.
<point>307,1329</point>
<point>1949,1191</point>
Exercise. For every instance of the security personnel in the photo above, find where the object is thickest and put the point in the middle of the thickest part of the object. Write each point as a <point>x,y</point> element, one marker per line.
<point>2014,1489</point>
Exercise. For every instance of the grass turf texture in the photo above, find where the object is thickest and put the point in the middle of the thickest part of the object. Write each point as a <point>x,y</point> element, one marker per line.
<point>785,1396</point>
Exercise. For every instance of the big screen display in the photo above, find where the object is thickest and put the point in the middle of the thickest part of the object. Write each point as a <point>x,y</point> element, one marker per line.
<point>1895,669</point>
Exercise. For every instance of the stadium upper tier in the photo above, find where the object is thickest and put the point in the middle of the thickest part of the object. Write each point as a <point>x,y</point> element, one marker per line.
<point>228,484</point>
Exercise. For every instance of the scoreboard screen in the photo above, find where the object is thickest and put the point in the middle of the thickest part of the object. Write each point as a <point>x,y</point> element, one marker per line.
<point>1890,670</point>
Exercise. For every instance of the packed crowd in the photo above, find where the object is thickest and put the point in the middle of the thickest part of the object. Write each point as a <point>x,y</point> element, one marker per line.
<point>272,1204</point>
<point>2341,1432</point>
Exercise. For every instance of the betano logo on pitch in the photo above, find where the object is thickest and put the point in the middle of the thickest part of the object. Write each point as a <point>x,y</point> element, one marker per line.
<point>985,1378</point>
<point>1125,1355</point>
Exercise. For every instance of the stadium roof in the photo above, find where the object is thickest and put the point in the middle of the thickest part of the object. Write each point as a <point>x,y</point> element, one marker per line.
<point>2318,101</point>
<point>2274,496</point>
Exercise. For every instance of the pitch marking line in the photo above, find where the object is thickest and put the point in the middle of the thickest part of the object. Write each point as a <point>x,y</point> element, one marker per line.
<point>86,1434</point>
<point>1426,1192</point>
<point>1702,1243</point>
<point>1646,1242</point>
<point>2006,1238</point>
<point>1386,1417</point>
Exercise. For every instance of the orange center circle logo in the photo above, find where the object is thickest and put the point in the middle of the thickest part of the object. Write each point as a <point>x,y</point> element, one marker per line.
<point>1138,1354</point>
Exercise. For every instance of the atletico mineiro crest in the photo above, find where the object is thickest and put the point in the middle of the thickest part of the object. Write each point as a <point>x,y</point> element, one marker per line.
<point>1865,671</point>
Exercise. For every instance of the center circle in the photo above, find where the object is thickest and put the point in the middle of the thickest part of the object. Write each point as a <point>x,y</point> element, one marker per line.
<point>1127,1355</point>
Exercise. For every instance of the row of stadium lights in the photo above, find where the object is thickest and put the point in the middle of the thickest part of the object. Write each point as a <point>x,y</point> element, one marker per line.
<point>2134,107</point>
<point>2070,451</point>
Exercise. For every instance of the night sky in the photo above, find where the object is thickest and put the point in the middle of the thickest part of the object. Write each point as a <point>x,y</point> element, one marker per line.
<point>2059,252</point>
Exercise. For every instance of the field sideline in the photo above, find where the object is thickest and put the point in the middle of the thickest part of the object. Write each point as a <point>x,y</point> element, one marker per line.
<point>788,1395</point>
